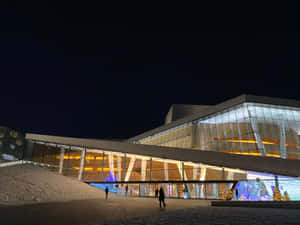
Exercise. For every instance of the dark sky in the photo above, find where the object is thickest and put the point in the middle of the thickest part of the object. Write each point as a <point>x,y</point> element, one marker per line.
<point>65,71</point>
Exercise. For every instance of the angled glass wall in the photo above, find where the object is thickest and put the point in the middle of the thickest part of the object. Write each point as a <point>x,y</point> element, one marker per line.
<point>252,129</point>
<point>249,129</point>
<point>229,131</point>
<point>180,137</point>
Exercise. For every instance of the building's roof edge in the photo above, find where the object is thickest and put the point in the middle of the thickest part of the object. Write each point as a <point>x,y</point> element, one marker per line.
<point>285,167</point>
<point>220,107</point>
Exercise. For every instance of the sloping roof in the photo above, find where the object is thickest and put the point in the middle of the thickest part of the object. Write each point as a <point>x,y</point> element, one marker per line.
<point>217,108</point>
<point>178,111</point>
<point>285,167</point>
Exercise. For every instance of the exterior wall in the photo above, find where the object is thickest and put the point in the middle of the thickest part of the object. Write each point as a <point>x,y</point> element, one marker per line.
<point>249,129</point>
<point>180,137</point>
<point>46,154</point>
<point>173,172</point>
<point>111,166</point>
<point>71,163</point>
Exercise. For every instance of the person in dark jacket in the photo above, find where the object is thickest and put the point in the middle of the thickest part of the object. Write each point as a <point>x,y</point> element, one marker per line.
<point>106,192</point>
<point>161,197</point>
<point>156,192</point>
<point>126,190</point>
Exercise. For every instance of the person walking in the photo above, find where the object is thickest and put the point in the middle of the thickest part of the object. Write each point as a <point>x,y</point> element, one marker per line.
<point>106,192</point>
<point>126,190</point>
<point>161,197</point>
<point>156,192</point>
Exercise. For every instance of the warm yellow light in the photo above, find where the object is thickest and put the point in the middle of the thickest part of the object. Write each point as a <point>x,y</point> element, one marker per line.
<point>251,141</point>
<point>87,157</point>
<point>105,169</point>
<point>253,153</point>
<point>85,168</point>
<point>95,168</point>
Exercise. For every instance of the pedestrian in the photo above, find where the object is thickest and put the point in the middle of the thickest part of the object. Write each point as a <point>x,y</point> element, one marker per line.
<point>237,194</point>
<point>161,197</point>
<point>126,190</point>
<point>106,192</point>
<point>156,192</point>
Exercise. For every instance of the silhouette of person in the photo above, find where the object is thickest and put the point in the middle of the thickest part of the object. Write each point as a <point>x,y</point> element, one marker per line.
<point>236,193</point>
<point>156,192</point>
<point>126,190</point>
<point>161,197</point>
<point>106,192</point>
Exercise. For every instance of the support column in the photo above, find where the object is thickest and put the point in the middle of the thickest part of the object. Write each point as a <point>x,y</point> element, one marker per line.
<point>143,169</point>
<point>276,181</point>
<point>68,161</point>
<point>184,177</point>
<point>205,140</point>
<point>150,169</point>
<point>119,167</point>
<point>255,129</point>
<point>124,166</point>
<point>166,171</point>
<point>195,186</point>
<point>216,190</point>
<point>111,165</point>
<point>61,160</point>
<point>195,170</point>
<point>194,135</point>
<point>143,176</point>
<point>213,143</point>
<point>203,173</point>
<point>103,163</point>
<point>282,139</point>
<point>130,167</point>
<point>182,172</point>
<point>203,185</point>
<point>223,174</point>
<point>180,166</point>
<point>82,164</point>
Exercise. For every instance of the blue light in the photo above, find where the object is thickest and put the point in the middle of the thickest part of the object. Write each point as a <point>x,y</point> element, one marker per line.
<point>111,178</point>
<point>262,190</point>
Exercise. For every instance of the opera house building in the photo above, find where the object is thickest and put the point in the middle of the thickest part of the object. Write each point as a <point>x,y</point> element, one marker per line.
<point>249,142</point>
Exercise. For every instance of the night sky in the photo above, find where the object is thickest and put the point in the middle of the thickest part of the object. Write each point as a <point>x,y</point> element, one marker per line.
<point>67,72</point>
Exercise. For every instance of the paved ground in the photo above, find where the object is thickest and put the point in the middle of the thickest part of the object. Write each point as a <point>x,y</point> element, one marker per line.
<point>142,211</point>
<point>218,216</point>
<point>88,211</point>
<point>34,196</point>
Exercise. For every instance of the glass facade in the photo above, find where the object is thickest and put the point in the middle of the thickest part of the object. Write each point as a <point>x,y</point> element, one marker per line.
<point>249,129</point>
<point>187,190</point>
<point>105,166</point>
<point>180,137</point>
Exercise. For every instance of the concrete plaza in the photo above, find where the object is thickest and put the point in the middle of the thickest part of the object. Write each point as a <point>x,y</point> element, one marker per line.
<point>141,211</point>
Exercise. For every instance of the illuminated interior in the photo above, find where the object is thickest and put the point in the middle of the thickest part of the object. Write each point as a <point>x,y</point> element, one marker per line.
<point>247,129</point>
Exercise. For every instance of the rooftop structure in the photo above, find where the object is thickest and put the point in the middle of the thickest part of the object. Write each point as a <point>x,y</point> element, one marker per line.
<point>249,125</point>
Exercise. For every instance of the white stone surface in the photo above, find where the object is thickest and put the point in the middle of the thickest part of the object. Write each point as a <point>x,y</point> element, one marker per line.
<point>23,184</point>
